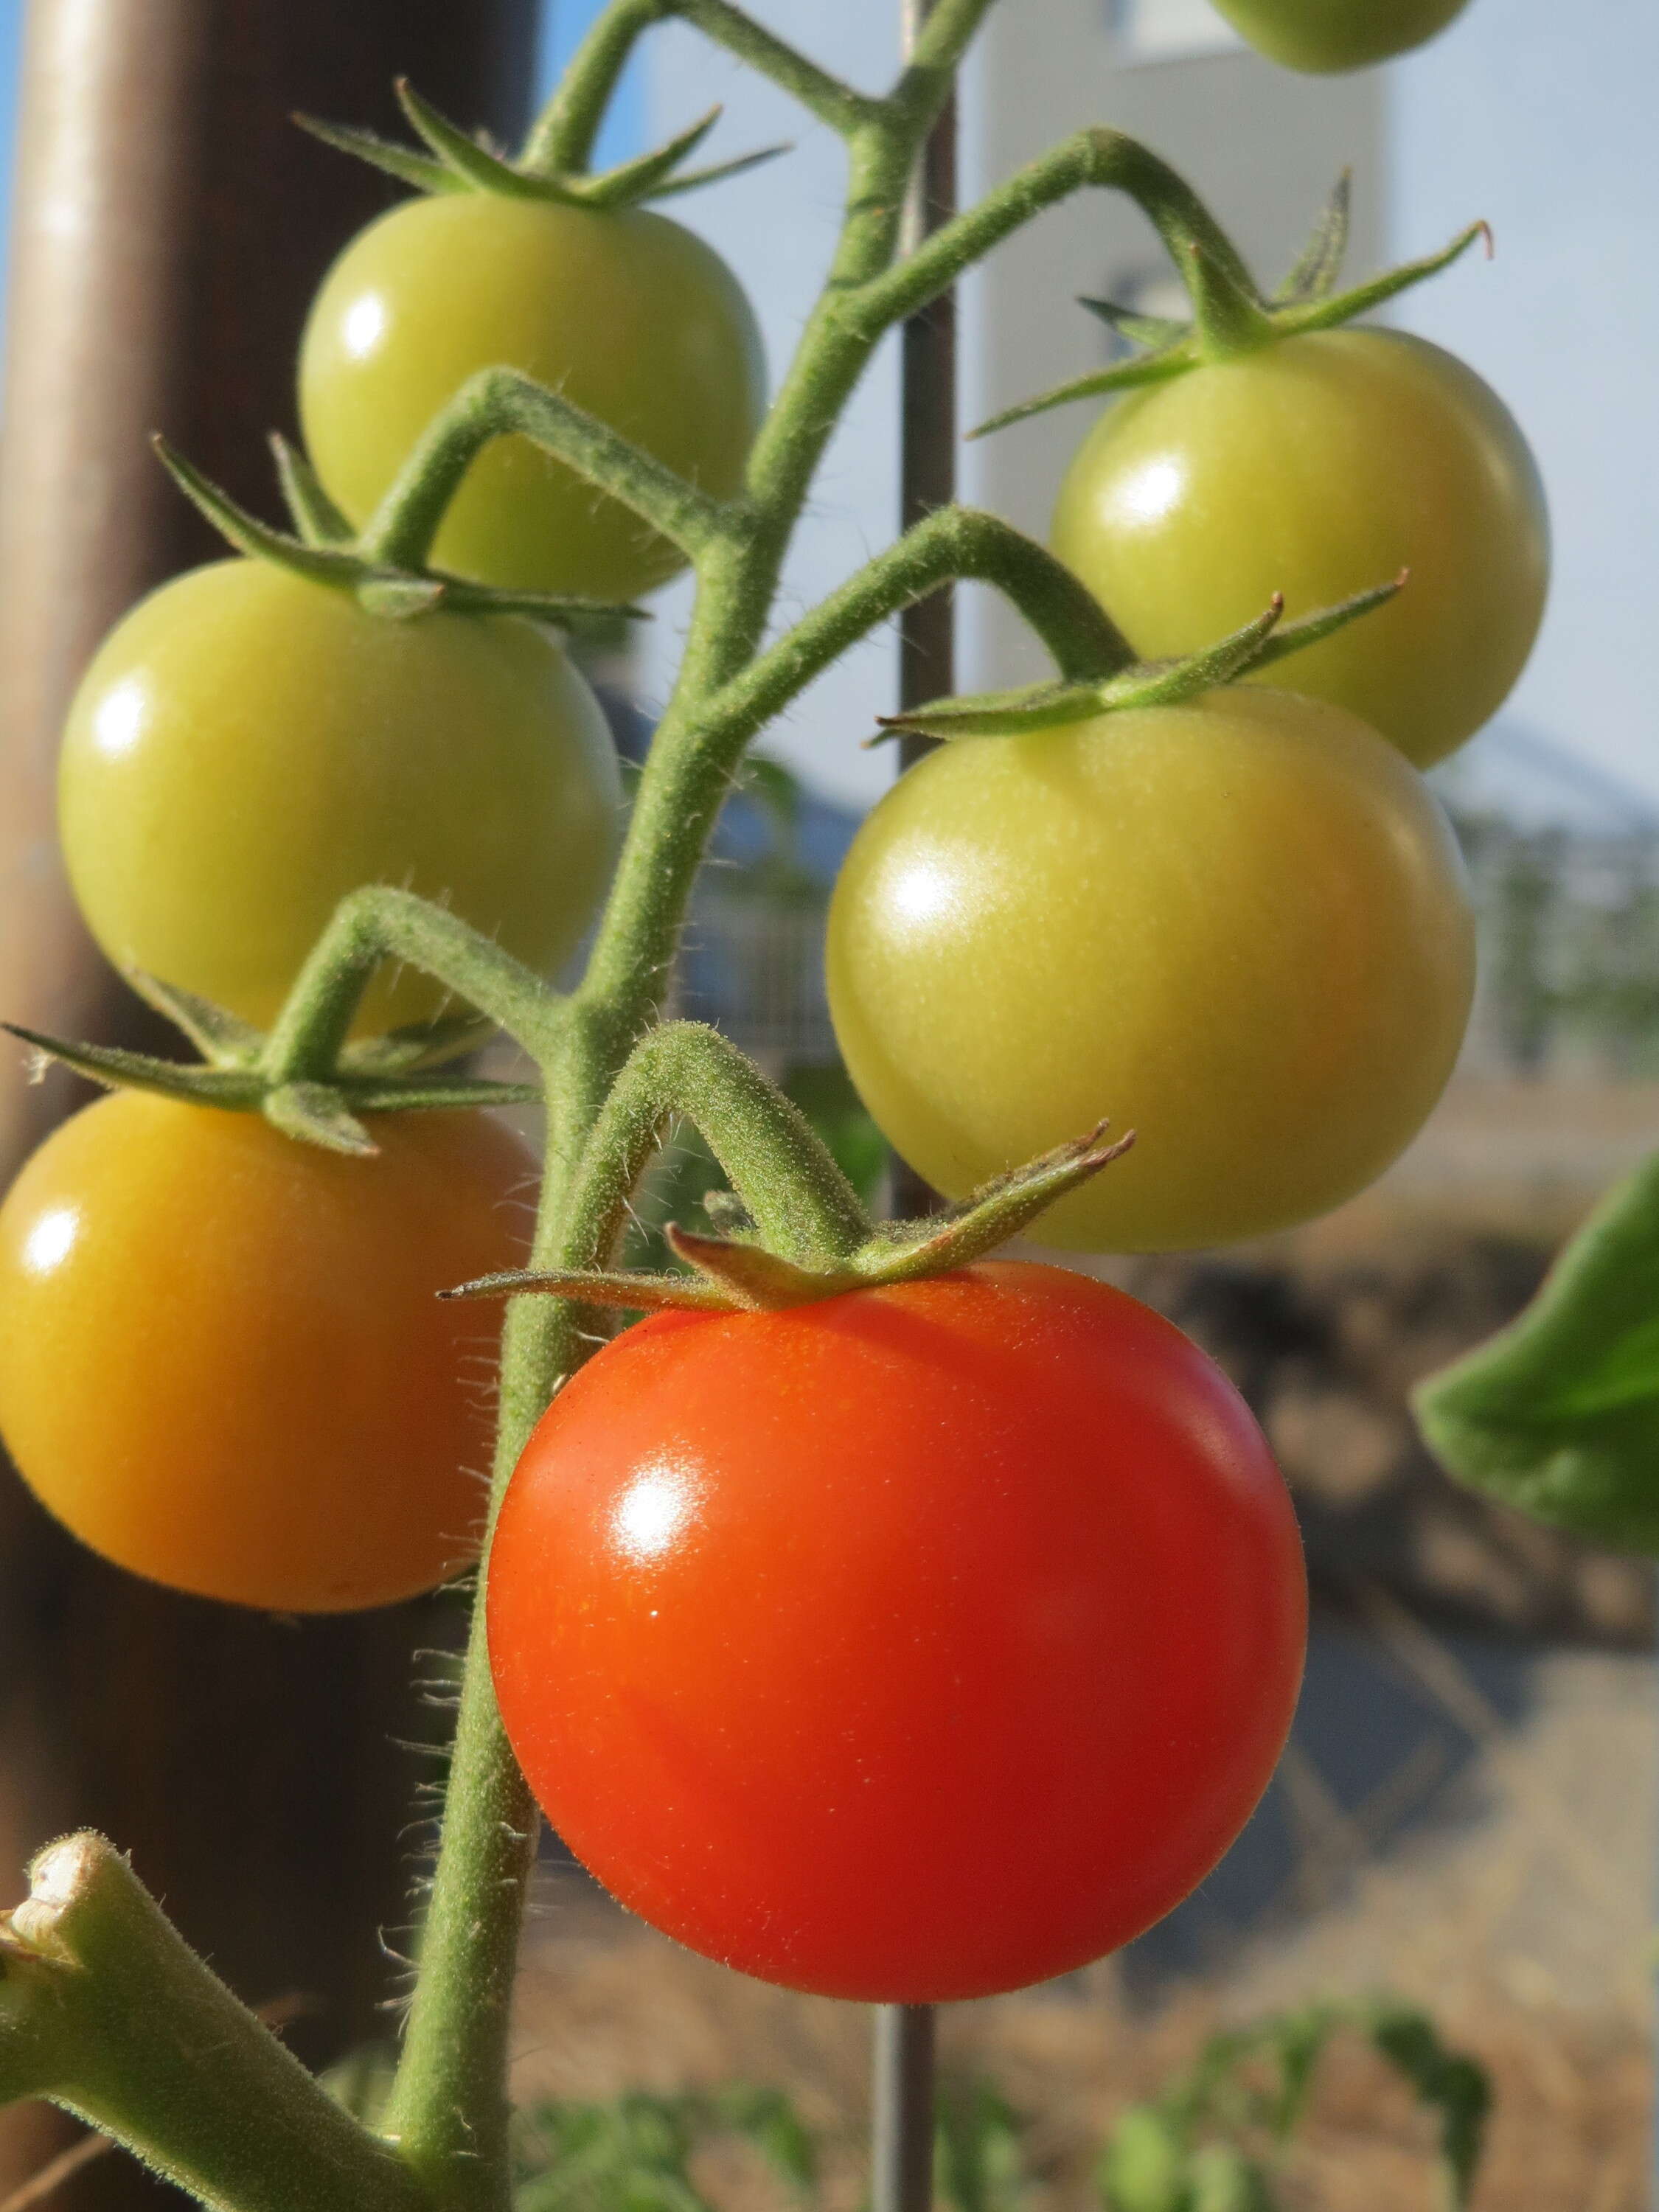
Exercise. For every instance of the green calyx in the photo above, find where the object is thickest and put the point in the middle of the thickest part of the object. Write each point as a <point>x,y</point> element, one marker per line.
<point>454,162</point>
<point>399,1073</point>
<point>323,550</point>
<point>1049,705</point>
<point>1231,316</point>
<point>733,1273</point>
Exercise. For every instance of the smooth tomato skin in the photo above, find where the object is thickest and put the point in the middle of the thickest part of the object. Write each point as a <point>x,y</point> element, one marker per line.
<point>1327,35</point>
<point>1317,467</point>
<point>921,1643</point>
<point>1239,928</point>
<point>248,747</point>
<point>222,1363</point>
<point>628,314</point>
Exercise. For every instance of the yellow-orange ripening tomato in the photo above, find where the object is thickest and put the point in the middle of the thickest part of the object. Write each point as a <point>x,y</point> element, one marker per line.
<point>1239,926</point>
<point>623,312</point>
<point>248,746</point>
<point>223,1364</point>
<point>1318,466</point>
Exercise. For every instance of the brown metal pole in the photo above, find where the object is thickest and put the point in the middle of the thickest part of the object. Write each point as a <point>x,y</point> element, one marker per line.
<point>903,2057</point>
<point>169,225</point>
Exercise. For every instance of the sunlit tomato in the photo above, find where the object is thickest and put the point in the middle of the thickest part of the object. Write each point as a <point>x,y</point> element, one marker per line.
<point>1324,35</point>
<point>626,314</point>
<point>1317,467</point>
<point>921,1644</point>
<point>222,1363</point>
<point>247,747</point>
<point>1239,928</point>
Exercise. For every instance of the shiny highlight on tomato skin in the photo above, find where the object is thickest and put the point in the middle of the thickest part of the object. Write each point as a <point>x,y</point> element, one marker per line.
<point>914,1645</point>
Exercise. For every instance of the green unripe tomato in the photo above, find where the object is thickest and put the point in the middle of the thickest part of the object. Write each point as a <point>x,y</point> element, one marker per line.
<point>625,313</point>
<point>1239,928</point>
<point>1318,466</point>
<point>247,747</point>
<point>1327,35</point>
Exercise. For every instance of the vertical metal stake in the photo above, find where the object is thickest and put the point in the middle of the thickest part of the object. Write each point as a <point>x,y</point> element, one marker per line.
<point>902,2138</point>
<point>901,2148</point>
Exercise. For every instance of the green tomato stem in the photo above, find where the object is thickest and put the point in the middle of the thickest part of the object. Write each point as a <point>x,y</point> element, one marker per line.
<point>501,403</point>
<point>561,141</point>
<point>381,924</point>
<point>104,2009</point>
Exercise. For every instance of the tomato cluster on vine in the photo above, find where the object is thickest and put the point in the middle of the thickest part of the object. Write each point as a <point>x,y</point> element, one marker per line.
<point>897,1622</point>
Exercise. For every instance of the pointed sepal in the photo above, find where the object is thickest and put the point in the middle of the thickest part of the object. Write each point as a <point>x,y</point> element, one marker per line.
<point>1326,315</point>
<point>472,164</point>
<point>1154,332</point>
<point>247,534</point>
<point>751,1277</point>
<point>693,180</point>
<point>630,182</point>
<point>630,1293</point>
<point>1172,683</point>
<point>999,1209</point>
<point>116,1069</point>
<point>998,714</point>
<point>1121,376</point>
<point>402,162</point>
<point>316,1114</point>
<point>316,519</point>
<point>418,1044</point>
<point>222,1037</point>
<point>1313,273</point>
<point>1309,629</point>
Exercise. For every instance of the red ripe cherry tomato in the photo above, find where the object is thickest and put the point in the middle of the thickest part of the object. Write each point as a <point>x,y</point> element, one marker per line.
<point>917,1644</point>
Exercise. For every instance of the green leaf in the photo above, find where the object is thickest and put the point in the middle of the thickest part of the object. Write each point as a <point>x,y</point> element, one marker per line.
<point>1559,1415</point>
<point>1451,2084</point>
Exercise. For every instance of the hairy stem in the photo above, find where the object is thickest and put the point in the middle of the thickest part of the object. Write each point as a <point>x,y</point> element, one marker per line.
<point>379,924</point>
<point>1101,159</point>
<point>106,2011</point>
<point>502,403</point>
<point>801,1203</point>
